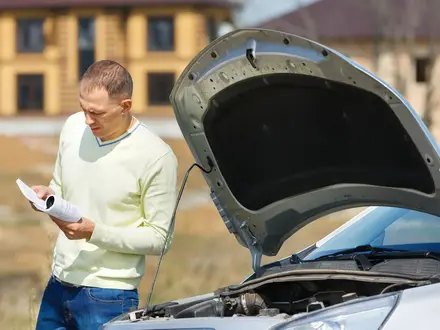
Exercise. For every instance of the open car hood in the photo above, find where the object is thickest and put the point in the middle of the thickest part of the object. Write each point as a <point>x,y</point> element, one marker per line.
<point>293,130</point>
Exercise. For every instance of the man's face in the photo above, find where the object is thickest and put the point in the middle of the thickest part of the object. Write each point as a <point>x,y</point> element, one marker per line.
<point>105,116</point>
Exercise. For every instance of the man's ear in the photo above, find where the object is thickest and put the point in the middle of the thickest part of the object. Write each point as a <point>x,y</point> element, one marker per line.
<point>126,106</point>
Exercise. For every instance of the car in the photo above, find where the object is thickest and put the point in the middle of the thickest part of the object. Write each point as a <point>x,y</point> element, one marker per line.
<point>287,130</point>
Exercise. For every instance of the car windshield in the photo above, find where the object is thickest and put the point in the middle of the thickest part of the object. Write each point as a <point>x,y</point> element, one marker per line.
<point>387,227</point>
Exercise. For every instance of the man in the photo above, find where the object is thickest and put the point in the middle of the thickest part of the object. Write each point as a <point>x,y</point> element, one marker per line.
<point>123,178</point>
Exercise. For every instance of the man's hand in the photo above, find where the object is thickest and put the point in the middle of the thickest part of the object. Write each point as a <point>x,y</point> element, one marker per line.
<point>42,192</point>
<point>83,229</point>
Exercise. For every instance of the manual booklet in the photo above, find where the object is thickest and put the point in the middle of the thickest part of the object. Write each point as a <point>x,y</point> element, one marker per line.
<point>53,205</point>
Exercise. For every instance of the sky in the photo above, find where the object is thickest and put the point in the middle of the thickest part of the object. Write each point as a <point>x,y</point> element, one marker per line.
<point>258,11</point>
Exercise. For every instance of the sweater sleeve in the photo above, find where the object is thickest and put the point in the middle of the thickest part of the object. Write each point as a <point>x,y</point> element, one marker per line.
<point>158,198</point>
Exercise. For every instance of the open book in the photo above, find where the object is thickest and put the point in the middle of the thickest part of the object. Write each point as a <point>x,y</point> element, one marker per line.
<point>53,205</point>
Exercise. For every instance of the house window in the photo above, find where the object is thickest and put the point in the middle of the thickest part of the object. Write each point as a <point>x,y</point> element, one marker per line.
<point>29,35</point>
<point>86,44</point>
<point>30,92</point>
<point>211,28</point>
<point>160,36</point>
<point>423,68</point>
<point>159,86</point>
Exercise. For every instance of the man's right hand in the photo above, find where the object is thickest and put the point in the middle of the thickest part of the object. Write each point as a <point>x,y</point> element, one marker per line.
<point>42,192</point>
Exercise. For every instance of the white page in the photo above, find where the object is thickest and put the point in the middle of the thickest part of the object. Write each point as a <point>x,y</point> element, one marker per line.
<point>54,205</point>
<point>31,195</point>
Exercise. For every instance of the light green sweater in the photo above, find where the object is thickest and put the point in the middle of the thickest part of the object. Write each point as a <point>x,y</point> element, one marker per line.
<point>127,187</point>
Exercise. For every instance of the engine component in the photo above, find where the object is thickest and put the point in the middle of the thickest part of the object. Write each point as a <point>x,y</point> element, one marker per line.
<point>251,304</point>
<point>212,307</point>
<point>349,296</point>
<point>269,312</point>
<point>248,304</point>
<point>314,305</point>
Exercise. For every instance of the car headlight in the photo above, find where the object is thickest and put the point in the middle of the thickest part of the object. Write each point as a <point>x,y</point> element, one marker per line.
<point>362,314</point>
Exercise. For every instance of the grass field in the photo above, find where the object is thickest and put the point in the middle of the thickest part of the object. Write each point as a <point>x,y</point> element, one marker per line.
<point>204,256</point>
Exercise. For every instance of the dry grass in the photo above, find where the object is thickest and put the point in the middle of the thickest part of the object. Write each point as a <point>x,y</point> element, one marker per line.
<point>204,256</point>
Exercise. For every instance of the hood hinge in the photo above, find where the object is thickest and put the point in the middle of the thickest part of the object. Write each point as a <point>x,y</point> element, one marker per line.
<point>242,232</point>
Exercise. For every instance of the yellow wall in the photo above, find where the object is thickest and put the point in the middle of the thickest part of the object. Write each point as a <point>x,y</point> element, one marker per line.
<point>116,38</point>
<point>12,64</point>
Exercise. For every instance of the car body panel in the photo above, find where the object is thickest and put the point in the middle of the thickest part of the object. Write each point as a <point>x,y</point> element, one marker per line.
<point>254,87</point>
<point>416,309</point>
<point>204,323</point>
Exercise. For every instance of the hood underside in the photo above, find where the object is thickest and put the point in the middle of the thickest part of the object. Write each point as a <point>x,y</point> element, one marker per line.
<point>286,135</point>
<point>293,130</point>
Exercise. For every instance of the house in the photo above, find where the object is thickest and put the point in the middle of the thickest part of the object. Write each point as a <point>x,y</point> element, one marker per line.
<point>399,40</point>
<point>46,45</point>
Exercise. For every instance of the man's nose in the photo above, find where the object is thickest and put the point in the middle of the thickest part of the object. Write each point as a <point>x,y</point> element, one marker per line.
<point>89,120</point>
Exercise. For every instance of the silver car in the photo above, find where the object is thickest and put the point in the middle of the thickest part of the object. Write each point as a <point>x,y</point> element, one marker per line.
<point>287,130</point>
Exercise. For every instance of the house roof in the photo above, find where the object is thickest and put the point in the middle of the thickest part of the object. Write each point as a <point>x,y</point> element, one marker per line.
<point>327,19</point>
<point>54,4</point>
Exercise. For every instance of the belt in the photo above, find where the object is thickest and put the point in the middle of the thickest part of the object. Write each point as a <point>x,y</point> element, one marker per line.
<point>70,285</point>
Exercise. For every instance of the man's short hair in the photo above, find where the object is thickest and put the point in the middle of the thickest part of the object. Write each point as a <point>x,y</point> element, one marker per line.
<point>108,75</point>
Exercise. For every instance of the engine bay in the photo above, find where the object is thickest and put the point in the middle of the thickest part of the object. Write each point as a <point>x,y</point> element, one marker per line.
<point>291,294</point>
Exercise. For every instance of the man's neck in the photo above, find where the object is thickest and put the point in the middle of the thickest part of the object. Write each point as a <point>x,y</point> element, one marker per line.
<point>127,125</point>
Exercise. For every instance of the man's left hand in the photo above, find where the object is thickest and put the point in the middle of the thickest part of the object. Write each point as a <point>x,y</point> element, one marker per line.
<point>83,229</point>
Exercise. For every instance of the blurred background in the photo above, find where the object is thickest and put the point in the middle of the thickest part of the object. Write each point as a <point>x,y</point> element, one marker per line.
<point>46,45</point>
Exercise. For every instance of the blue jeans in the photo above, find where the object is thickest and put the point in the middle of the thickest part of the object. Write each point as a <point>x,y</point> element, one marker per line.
<point>84,308</point>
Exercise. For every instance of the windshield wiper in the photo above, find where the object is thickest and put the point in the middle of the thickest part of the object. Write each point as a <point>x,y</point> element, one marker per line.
<point>361,248</point>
